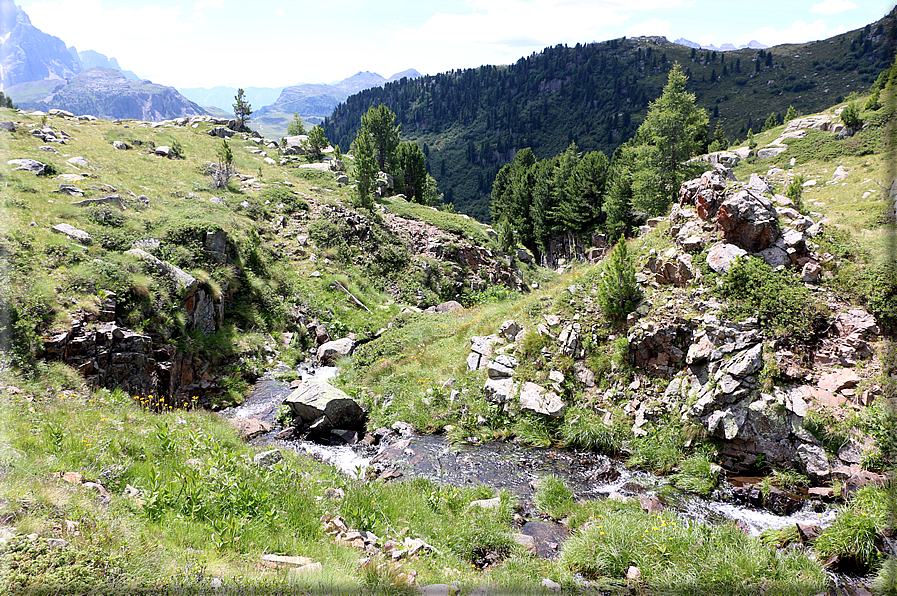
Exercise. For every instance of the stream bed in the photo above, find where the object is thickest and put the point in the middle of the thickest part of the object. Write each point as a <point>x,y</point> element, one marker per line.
<point>512,467</point>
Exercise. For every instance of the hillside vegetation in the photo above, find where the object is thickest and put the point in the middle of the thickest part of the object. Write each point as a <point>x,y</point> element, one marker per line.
<point>472,121</point>
<point>153,272</point>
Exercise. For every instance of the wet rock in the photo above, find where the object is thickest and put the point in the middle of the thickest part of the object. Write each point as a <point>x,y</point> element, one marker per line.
<point>526,542</point>
<point>781,502</point>
<point>650,504</point>
<point>815,462</point>
<point>323,407</point>
<point>535,399</point>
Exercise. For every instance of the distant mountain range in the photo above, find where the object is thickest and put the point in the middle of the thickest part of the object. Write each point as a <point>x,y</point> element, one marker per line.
<point>105,93</point>
<point>274,106</point>
<point>726,47</point>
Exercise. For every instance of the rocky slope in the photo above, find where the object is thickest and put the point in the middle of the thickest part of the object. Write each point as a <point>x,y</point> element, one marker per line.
<point>29,54</point>
<point>106,93</point>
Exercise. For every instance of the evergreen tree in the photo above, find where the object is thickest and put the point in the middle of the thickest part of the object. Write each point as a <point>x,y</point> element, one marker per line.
<point>242,109</point>
<point>380,124</point>
<point>411,171</point>
<point>296,127</point>
<point>771,122</point>
<point>673,131</point>
<point>365,168</point>
<point>581,210</point>
<point>316,142</point>
<point>720,141</point>
<point>791,114</point>
<point>618,292</point>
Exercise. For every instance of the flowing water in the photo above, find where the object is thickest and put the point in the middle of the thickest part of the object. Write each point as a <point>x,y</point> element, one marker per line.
<point>512,467</point>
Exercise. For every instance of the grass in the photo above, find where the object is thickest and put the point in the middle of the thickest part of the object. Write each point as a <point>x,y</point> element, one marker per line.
<point>675,556</point>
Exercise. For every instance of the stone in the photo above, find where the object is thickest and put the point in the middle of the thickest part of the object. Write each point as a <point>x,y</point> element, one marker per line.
<point>851,452</point>
<point>119,145</point>
<point>775,257</point>
<point>73,233</point>
<point>535,399</point>
<point>267,458</point>
<point>473,361</point>
<point>250,428</point>
<point>450,306</point>
<point>335,494</point>
<point>319,404</point>
<point>748,221</point>
<point>497,370</point>
<point>72,478</point>
<point>483,345</point>
<point>811,272</point>
<point>8,126</point>
<point>760,184</point>
<point>650,504</point>
<point>494,503</point>
<point>722,256</point>
<point>57,543</point>
<point>163,151</point>
<point>78,162</point>
<point>525,541</point>
<point>836,381</point>
<point>500,391</point>
<point>551,585</point>
<point>726,423</point>
<point>840,174</point>
<point>770,152</point>
<point>310,568</point>
<point>815,462</point>
<point>747,363</point>
<point>509,330</point>
<point>71,190</point>
<point>29,165</point>
<point>292,561</point>
<point>633,573</point>
<point>331,351</point>
<point>781,502</point>
<point>186,283</point>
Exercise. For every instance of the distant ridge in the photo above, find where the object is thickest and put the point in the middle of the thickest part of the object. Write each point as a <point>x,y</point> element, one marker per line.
<point>726,47</point>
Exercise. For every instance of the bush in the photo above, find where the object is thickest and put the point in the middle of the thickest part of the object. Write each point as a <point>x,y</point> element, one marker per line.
<point>698,474</point>
<point>584,429</point>
<point>850,115</point>
<point>779,300</point>
<point>854,535</point>
<point>618,292</point>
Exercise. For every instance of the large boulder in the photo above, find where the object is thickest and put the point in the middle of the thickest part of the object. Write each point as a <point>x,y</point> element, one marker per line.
<point>29,165</point>
<point>535,399</point>
<point>329,352</point>
<point>322,407</point>
<point>748,221</point>
<point>722,256</point>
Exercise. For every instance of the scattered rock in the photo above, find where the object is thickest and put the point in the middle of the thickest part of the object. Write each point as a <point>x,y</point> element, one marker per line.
<point>535,399</point>
<point>331,351</point>
<point>722,256</point>
<point>323,407</point>
<point>73,233</point>
<point>267,458</point>
<point>29,165</point>
<point>250,428</point>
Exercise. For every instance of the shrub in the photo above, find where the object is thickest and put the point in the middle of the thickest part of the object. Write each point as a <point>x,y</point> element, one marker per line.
<point>698,474</point>
<point>618,292</point>
<point>661,450</point>
<point>795,190</point>
<point>854,535</point>
<point>584,429</point>
<point>850,115</point>
<point>779,300</point>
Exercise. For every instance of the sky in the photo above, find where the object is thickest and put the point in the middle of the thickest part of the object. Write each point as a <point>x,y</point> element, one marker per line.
<point>266,43</point>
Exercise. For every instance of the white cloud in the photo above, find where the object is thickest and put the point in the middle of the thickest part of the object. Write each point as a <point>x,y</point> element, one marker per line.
<point>201,5</point>
<point>832,6</point>
<point>649,28</point>
<point>798,32</point>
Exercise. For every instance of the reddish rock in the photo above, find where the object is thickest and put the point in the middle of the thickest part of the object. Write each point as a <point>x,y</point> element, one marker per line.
<point>836,381</point>
<point>72,478</point>
<point>249,428</point>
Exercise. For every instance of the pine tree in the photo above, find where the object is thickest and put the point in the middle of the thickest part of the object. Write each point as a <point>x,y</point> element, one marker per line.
<point>316,142</point>
<point>673,131</point>
<point>242,109</point>
<point>411,171</point>
<point>618,291</point>
<point>380,124</point>
<point>296,127</point>
<point>365,168</point>
<point>791,114</point>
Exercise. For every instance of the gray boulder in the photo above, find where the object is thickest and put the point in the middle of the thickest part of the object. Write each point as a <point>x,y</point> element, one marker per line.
<point>73,233</point>
<point>722,256</point>
<point>329,352</point>
<point>185,282</point>
<point>535,399</point>
<point>29,165</point>
<point>323,407</point>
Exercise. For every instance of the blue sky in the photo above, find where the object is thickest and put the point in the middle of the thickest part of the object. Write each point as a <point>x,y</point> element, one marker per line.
<point>246,43</point>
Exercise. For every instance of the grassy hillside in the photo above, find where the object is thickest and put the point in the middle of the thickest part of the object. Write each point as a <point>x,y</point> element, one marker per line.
<point>473,121</point>
<point>104,491</point>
